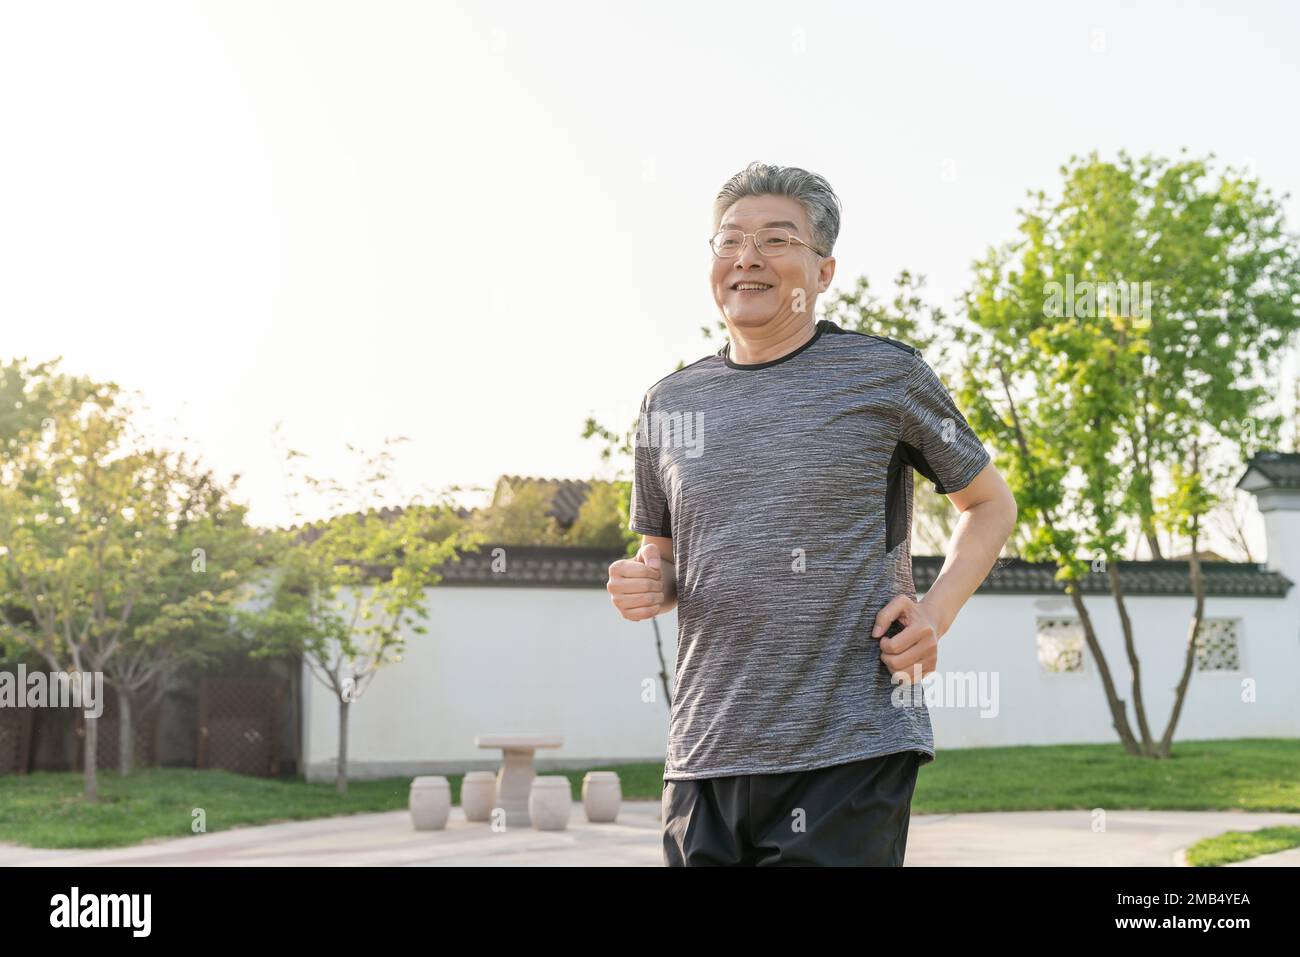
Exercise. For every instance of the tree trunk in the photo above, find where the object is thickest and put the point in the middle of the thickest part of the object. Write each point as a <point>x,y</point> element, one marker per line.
<point>89,758</point>
<point>1130,650</point>
<point>342,773</point>
<point>1194,629</point>
<point>295,679</point>
<point>1118,717</point>
<point>1153,543</point>
<point>125,733</point>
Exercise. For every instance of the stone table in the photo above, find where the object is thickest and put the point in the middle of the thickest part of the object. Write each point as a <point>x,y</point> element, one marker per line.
<point>515,779</point>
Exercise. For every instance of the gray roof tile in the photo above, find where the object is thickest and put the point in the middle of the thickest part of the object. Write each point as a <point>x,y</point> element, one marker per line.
<point>561,567</point>
<point>1282,469</point>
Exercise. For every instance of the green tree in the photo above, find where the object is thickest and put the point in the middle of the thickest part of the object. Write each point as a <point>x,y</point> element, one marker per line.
<point>601,523</point>
<point>87,528</point>
<point>184,617</point>
<point>32,393</point>
<point>523,519</point>
<point>906,317</point>
<point>1129,332</point>
<point>347,590</point>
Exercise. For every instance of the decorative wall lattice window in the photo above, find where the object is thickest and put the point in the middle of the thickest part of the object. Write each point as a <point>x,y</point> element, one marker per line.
<point>1060,645</point>
<point>1216,645</point>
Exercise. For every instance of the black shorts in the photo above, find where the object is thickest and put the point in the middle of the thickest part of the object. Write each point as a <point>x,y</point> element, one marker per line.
<point>845,815</point>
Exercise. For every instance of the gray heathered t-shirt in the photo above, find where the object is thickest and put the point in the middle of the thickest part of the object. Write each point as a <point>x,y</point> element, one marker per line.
<point>786,487</point>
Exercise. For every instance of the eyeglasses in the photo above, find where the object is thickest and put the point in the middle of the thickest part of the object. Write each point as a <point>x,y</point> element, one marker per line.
<point>770,241</point>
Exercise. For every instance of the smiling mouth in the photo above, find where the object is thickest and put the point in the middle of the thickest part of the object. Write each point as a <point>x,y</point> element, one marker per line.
<point>751,287</point>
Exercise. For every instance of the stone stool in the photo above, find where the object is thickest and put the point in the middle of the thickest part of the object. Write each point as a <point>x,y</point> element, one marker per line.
<point>601,796</point>
<point>478,793</point>
<point>430,803</point>
<point>549,802</point>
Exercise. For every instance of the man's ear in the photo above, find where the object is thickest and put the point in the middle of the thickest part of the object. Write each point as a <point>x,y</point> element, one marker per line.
<point>826,273</point>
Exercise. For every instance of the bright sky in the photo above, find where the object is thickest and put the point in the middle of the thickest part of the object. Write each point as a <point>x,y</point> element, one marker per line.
<point>474,224</point>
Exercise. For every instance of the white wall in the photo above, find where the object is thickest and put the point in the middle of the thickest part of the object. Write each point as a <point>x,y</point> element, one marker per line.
<point>997,634</point>
<point>495,660</point>
<point>561,661</point>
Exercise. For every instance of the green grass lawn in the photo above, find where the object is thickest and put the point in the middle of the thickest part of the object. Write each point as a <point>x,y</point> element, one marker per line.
<point>47,810</point>
<point>1240,845</point>
<point>1248,774</point>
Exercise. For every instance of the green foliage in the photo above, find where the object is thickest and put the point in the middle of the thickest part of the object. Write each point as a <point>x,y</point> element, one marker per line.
<point>94,531</point>
<point>602,521</point>
<point>343,592</point>
<point>32,394</point>
<point>522,519</point>
<point>619,450</point>
<point>907,317</point>
<point>184,616</point>
<point>1094,401</point>
<point>1236,846</point>
<point>115,556</point>
<point>45,809</point>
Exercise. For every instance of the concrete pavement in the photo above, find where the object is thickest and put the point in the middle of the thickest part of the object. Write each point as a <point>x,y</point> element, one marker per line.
<point>1021,838</point>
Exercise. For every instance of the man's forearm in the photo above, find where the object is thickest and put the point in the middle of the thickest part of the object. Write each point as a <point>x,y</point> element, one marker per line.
<point>976,542</point>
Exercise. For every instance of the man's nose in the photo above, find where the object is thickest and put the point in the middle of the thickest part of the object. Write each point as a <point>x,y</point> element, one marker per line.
<point>749,253</point>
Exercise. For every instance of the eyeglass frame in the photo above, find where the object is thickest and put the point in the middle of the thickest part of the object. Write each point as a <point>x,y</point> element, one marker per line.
<point>754,236</point>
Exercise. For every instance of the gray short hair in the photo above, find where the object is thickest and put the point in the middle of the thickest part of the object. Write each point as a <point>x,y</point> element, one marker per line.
<point>811,190</point>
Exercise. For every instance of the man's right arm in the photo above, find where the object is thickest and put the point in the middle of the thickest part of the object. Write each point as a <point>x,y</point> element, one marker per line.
<point>668,570</point>
<point>645,586</point>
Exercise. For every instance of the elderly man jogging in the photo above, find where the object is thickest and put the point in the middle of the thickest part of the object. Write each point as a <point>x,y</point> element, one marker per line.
<point>773,489</point>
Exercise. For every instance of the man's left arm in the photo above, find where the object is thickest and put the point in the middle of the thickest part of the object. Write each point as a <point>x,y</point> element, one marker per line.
<point>988,517</point>
<point>941,445</point>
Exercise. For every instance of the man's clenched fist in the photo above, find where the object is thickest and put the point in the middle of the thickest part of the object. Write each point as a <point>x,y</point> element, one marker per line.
<point>638,586</point>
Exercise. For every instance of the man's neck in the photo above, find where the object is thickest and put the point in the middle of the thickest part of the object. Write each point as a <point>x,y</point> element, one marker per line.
<point>762,346</point>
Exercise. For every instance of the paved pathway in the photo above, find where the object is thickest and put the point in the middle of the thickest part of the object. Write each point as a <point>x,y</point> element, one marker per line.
<point>1023,838</point>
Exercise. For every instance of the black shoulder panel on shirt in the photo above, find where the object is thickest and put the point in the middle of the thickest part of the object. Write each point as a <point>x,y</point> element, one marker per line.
<point>832,327</point>
<point>902,345</point>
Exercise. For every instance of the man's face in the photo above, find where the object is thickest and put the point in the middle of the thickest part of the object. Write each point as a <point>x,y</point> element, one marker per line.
<point>794,279</point>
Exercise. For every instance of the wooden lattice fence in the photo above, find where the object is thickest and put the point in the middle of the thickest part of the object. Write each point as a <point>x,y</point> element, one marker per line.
<point>239,725</point>
<point>147,728</point>
<point>15,740</point>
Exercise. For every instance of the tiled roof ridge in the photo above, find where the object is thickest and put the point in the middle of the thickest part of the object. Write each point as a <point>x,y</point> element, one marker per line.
<point>567,566</point>
<point>1280,469</point>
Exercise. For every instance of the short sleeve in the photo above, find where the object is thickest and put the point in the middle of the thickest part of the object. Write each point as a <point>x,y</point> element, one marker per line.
<point>649,508</point>
<point>937,440</point>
